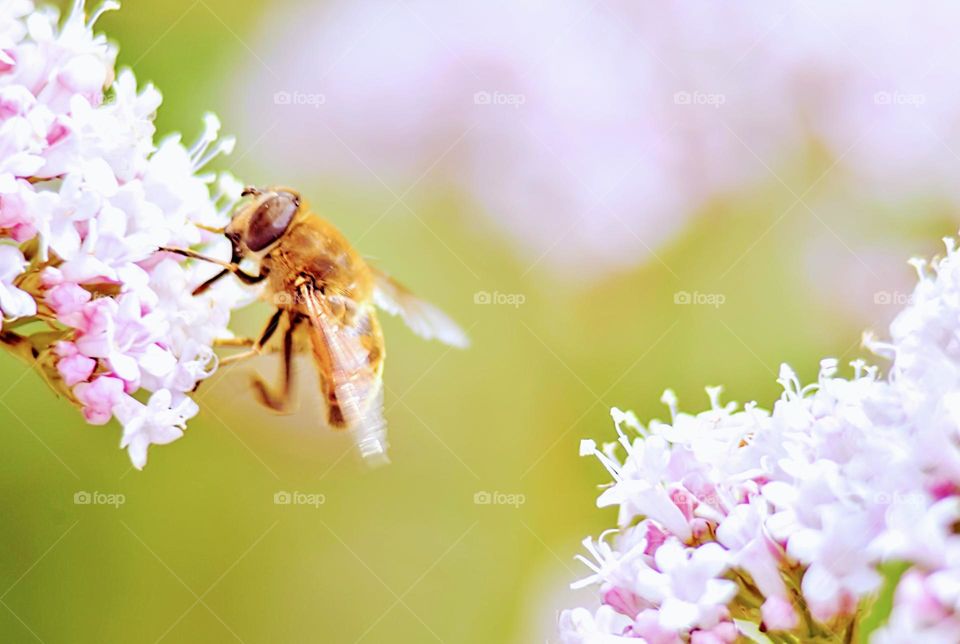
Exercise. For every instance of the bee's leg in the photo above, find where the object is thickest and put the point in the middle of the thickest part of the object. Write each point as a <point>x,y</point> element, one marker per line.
<point>211,229</point>
<point>243,277</point>
<point>192,254</point>
<point>234,342</point>
<point>246,278</point>
<point>257,347</point>
<point>279,400</point>
<point>210,282</point>
<point>229,267</point>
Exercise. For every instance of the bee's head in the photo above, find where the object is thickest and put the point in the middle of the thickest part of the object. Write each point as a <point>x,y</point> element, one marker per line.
<point>260,223</point>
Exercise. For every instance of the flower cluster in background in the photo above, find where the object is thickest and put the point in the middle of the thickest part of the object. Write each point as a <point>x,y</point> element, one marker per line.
<point>86,198</point>
<point>592,131</point>
<point>792,519</point>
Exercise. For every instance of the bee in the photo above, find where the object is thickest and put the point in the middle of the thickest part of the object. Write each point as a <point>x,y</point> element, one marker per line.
<point>326,297</point>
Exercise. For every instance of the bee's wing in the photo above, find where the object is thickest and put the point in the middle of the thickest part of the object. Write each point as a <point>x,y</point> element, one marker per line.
<point>423,318</point>
<point>357,387</point>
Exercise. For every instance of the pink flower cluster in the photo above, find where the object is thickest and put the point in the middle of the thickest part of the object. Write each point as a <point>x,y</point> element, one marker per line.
<point>790,520</point>
<point>86,198</point>
<point>593,131</point>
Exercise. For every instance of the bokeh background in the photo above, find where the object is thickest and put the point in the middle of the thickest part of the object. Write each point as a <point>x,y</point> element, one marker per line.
<point>613,197</point>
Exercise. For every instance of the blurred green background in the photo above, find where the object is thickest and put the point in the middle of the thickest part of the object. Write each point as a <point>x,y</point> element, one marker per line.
<point>199,551</point>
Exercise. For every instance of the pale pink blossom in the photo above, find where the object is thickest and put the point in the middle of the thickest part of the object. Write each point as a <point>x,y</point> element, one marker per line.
<point>778,614</point>
<point>14,302</point>
<point>919,614</point>
<point>159,422</point>
<point>72,365</point>
<point>842,476</point>
<point>606,627</point>
<point>98,398</point>
<point>15,208</point>
<point>687,585</point>
<point>89,195</point>
<point>67,299</point>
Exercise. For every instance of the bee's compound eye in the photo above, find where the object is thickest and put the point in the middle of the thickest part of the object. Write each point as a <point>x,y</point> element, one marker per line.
<point>270,220</point>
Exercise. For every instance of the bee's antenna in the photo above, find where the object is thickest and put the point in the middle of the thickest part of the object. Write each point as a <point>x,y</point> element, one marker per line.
<point>250,190</point>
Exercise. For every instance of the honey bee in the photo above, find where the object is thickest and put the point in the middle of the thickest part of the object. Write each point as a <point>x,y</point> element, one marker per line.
<point>325,295</point>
